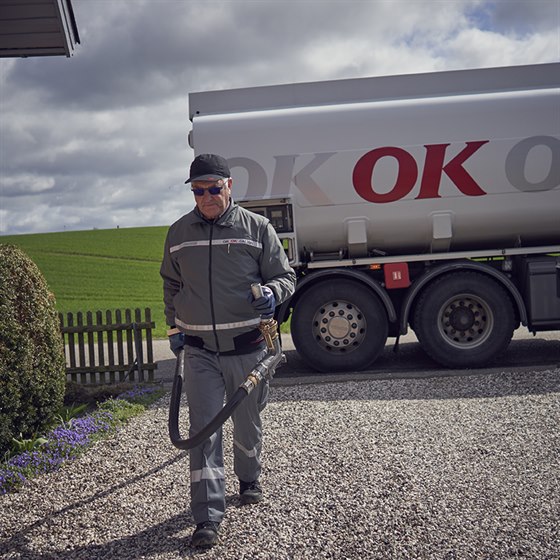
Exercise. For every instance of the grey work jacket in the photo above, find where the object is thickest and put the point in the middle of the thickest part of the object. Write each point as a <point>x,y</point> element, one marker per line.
<point>208,268</point>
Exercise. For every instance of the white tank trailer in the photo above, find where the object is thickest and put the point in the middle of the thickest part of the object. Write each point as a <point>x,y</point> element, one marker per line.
<point>429,201</point>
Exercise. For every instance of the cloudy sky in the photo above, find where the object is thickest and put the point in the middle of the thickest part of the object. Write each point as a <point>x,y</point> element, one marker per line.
<point>100,139</point>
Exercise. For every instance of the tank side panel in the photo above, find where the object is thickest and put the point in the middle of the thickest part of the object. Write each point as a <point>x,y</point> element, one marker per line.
<point>503,192</point>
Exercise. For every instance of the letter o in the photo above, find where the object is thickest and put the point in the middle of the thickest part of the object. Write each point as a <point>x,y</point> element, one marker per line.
<point>363,172</point>
<point>517,158</point>
<point>256,177</point>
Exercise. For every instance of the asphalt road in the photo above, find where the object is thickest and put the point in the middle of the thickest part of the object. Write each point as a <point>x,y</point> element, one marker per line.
<point>525,353</point>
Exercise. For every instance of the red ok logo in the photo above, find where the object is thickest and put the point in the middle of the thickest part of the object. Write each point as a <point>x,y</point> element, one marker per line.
<point>407,175</point>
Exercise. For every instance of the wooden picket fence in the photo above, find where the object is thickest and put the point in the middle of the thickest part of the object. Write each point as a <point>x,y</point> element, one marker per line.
<point>101,349</point>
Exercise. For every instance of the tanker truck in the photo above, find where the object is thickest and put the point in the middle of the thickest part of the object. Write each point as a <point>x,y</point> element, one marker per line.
<point>428,202</point>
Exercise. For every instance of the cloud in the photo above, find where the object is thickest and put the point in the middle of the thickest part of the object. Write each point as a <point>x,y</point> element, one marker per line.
<point>100,139</point>
<point>18,185</point>
<point>487,48</point>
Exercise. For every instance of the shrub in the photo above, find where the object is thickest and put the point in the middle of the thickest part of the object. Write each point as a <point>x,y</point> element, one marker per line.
<point>32,368</point>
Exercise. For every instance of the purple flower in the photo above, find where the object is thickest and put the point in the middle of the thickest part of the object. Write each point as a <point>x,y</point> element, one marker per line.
<point>10,479</point>
<point>136,392</point>
<point>63,443</point>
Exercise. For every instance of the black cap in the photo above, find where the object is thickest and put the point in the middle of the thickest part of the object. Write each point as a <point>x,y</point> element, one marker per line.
<point>208,167</point>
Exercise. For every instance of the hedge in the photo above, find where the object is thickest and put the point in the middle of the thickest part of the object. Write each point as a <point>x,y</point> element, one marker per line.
<point>32,367</point>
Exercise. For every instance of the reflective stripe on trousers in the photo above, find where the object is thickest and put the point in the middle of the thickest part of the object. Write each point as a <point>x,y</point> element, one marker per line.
<point>207,379</point>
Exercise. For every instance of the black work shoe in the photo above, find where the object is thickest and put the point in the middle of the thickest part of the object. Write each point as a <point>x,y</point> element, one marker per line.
<point>250,492</point>
<point>205,535</point>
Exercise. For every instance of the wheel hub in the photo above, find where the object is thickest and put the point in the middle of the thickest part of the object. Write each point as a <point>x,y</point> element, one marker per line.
<point>462,318</point>
<point>339,326</point>
<point>465,320</point>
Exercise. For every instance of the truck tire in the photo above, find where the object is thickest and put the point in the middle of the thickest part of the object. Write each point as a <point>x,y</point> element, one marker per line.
<point>464,320</point>
<point>339,325</point>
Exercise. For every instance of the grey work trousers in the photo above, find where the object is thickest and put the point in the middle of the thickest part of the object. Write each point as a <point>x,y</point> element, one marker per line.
<point>208,378</point>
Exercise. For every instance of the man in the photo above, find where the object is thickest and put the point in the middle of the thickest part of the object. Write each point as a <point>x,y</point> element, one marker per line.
<point>212,256</point>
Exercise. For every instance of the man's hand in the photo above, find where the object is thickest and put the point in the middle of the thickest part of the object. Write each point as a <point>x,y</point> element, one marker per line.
<point>266,304</point>
<point>176,342</point>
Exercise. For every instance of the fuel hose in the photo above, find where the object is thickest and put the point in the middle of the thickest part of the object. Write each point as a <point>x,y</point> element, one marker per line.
<point>264,369</point>
<point>210,428</point>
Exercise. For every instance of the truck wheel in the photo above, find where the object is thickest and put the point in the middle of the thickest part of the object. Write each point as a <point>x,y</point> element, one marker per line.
<point>464,320</point>
<point>339,325</point>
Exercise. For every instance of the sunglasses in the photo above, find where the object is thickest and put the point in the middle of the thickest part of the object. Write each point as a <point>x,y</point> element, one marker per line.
<point>216,189</point>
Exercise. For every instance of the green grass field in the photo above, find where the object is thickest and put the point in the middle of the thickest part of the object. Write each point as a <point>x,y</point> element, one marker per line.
<point>100,269</point>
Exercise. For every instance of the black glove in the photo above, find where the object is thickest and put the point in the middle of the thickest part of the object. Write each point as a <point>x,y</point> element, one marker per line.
<point>266,304</point>
<point>176,342</point>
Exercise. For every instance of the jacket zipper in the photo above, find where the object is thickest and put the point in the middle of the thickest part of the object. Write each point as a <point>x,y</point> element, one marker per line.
<point>210,288</point>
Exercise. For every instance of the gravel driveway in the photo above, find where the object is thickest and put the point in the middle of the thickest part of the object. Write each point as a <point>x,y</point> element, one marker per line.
<point>449,467</point>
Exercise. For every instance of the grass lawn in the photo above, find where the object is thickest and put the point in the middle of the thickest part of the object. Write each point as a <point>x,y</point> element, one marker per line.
<point>100,269</point>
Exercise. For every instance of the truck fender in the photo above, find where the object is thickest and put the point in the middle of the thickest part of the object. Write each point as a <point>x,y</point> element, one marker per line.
<point>322,275</point>
<point>432,273</point>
